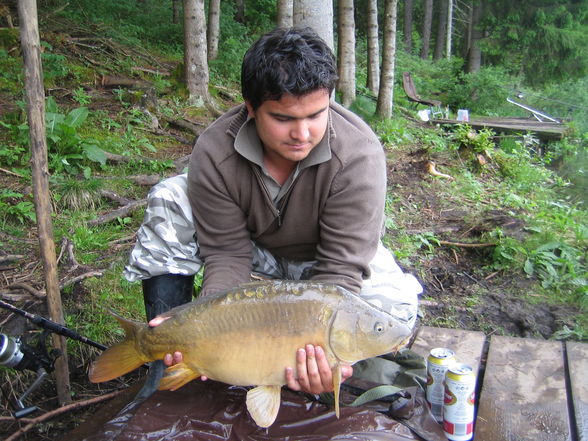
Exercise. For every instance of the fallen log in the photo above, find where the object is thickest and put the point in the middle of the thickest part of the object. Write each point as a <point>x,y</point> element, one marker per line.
<point>119,213</point>
<point>116,81</point>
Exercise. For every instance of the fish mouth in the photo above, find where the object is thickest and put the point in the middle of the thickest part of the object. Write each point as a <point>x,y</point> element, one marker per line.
<point>402,343</point>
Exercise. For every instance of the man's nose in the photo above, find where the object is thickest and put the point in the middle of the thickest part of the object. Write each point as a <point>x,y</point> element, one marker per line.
<point>300,130</point>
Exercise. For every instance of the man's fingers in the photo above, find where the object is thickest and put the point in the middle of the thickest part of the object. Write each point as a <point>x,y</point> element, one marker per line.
<point>170,360</point>
<point>346,372</point>
<point>301,364</point>
<point>291,381</point>
<point>155,321</point>
<point>325,374</point>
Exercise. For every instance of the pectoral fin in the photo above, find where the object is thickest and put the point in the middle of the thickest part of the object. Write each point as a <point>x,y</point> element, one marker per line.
<point>263,403</point>
<point>336,387</point>
<point>176,376</point>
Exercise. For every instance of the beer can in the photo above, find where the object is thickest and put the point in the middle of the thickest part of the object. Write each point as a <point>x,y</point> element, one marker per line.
<point>438,362</point>
<point>459,402</point>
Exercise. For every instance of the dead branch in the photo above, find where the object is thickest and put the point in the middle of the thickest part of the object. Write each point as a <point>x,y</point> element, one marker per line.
<point>28,288</point>
<point>67,245</point>
<point>122,240</point>
<point>68,408</point>
<point>466,245</point>
<point>8,172</point>
<point>113,157</point>
<point>10,257</point>
<point>162,132</point>
<point>145,180</point>
<point>121,212</point>
<point>115,81</point>
<point>163,73</point>
<point>79,278</point>
<point>111,195</point>
<point>12,297</point>
<point>190,126</point>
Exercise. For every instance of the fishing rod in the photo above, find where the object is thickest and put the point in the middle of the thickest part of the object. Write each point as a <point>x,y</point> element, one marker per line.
<point>17,353</point>
<point>44,323</point>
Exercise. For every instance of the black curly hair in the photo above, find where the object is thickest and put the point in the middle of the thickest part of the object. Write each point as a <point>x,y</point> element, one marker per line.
<point>294,61</point>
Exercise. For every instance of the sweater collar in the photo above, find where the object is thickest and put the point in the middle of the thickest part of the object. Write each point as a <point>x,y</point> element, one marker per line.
<point>247,142</point>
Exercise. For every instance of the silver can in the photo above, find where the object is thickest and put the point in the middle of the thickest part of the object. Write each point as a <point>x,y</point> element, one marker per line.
<point>438,361</point>
<point>459,403</point>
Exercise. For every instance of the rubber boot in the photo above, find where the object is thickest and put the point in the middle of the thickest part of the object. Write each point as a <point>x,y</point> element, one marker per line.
<point>162,293</point>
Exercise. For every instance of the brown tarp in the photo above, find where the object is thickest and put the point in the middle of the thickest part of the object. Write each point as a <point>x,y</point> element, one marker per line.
<point>212,411</point>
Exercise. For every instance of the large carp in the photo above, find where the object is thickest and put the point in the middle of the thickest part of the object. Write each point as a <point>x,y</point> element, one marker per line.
<point>248,335</point>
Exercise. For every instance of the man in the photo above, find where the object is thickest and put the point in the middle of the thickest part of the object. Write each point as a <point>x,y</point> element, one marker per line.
<point>288,185</point>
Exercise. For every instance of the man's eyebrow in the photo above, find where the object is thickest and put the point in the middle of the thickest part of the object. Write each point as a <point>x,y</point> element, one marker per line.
<point>282,115</point>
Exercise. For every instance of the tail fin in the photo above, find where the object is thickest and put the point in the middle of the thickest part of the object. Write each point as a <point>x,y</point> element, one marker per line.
<point>121,358</point>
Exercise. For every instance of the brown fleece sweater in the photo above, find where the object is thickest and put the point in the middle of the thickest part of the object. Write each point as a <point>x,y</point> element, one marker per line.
<point>332,213</point>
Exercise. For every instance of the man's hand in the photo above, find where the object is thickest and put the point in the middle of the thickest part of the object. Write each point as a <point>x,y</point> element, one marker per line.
<point>314,372</point>
<point>176,357</point>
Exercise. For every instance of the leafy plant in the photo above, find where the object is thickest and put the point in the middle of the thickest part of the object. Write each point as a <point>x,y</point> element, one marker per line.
<point>12,207</point>
<point>68,150</point>
<point>80,96</point>
<point>479,141</point>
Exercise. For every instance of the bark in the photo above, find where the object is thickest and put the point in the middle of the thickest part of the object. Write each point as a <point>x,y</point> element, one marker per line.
<point>213,29</point>
<point>35,99</point>
<point>317,14</point>
<point>176,11</point>
<point>475,53</point>
<point>427,21</point>
<point>449,28</point>
<point>386,93</point>
<point>408,9</point>
<point>195,58</point>
<point>285,13</point>
<point>240,14</point>
<point>441,29</point>
<point>346,52</point>
<point>373,72</point>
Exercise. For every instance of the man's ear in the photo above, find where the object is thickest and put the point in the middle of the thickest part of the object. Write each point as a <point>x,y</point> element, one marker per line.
<point>250,111</point>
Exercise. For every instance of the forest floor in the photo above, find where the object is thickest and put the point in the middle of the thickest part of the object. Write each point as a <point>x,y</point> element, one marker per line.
<point>459,291</point>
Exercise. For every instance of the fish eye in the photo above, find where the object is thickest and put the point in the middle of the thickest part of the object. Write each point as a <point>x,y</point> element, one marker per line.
<point>379,327</point>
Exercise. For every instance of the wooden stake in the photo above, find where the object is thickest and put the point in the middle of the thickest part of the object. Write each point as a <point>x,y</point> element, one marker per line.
<point>35,98</point>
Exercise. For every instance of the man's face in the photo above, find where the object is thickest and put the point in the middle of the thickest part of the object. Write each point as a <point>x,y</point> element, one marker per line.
<point>292,126</point>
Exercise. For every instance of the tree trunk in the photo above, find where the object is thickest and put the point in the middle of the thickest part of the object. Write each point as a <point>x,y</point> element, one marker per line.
<point>196,65</point>
<point>285,13</point>
<point>441,27</point>
<point>240,15</point>
<point>475,53</point>
<point>427,21</point>
<point>373,55</point>
<point>317,14</point>
<point>386,93</point>
<point>408,8</point>
<point>449,28</point>
<point>35,99</point>
<point>213,29</point>
<point>346,52</point>
<point>175,11</point>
